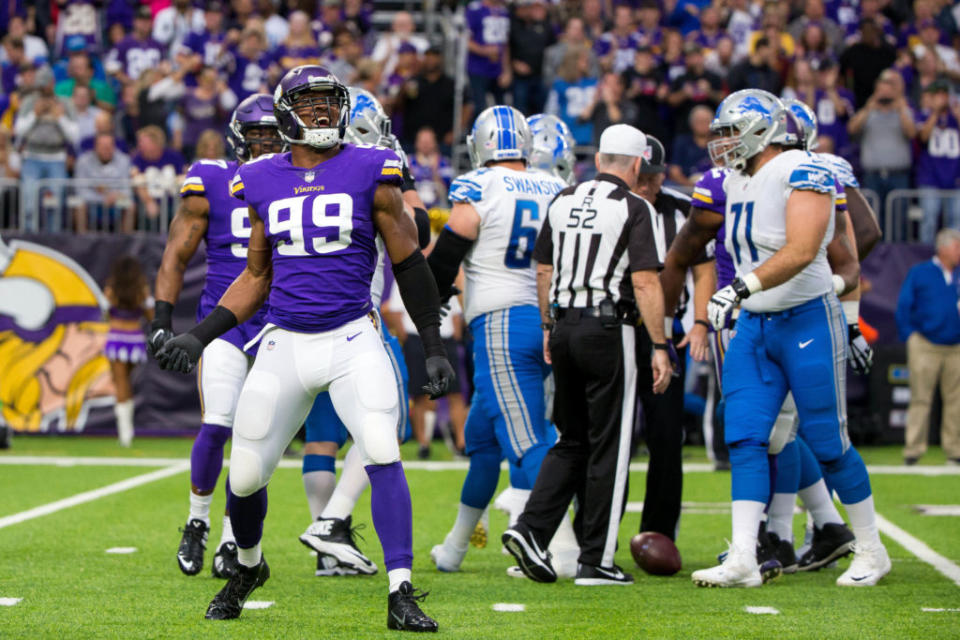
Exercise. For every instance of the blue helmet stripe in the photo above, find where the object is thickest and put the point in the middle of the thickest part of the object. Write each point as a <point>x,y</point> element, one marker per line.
<point>511,127</point>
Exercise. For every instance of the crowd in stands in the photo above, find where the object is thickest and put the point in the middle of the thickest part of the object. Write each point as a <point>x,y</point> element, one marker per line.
<point>160,79</point>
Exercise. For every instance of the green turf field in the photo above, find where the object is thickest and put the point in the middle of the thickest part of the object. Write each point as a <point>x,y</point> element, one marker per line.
<point>71,588</point>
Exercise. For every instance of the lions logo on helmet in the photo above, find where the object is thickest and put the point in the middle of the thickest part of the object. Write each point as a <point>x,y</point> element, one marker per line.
<point>369,123</point>
<point>552,147</point>
<point>808,122</point>
<point>747,121</point>
<point>255,112</point>
<point>311,89</point>
<point>499,133</point>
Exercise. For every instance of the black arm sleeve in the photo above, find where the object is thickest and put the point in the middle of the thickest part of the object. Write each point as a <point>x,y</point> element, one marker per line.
<point>162,315</point>
<point>408,183</point>
<point>214,325</point>
<point>446,257</point>
<point>422,219</point>
<point>418,290</point>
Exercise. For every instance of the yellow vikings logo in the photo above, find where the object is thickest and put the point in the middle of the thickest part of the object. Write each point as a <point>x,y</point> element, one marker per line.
<point>52,367</point>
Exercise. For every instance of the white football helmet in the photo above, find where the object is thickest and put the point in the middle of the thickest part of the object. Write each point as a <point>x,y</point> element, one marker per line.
<point>499,133</point>
<point>747,121</point>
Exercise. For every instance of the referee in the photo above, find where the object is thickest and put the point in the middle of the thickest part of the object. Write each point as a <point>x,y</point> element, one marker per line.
<point>598,256</point>
<point>663,413</point>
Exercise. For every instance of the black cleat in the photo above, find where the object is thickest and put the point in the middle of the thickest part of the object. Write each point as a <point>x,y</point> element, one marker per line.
<point>336,538</point>
<point>783,551</point>
<point>532,559</point>
<point>403,612</point>
<point>830,542</point>
<point>192,545</point>
<point>770,566</point>
<point>225,561</point>
<point>590,576</point>
<point>228,603</point>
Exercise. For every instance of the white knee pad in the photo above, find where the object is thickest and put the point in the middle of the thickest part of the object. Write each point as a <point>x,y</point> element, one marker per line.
<point>246,472</point>
<point>379,438</point>
<point>222,372</point>
<point>785,427</point>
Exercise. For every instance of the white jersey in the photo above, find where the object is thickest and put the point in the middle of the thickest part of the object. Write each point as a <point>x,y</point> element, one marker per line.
<point>841,169</point>
<point>512,206</point>
<point>755,225</point>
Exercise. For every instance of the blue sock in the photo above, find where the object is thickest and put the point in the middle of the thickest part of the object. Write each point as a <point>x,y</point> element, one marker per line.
<point>531,461</point>
<point>810,471</point>
<point>749,471</point>
<point>788,469</point>
<point>316,462</point>
<point>848,475</point>
<point>482,478</point>
<point>518,479</point>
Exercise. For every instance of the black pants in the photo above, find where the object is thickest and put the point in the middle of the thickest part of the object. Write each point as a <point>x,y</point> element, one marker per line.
<point>663,433</point>
<point>595,376</point>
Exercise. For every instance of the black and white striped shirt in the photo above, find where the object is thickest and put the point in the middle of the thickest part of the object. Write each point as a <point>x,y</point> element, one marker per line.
<point>673,208</point>
<point>595,235</point>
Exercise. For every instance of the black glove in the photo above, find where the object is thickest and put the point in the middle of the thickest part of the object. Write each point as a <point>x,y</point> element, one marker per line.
<point>859,353</point>
<point>156,338</point>
<point>181,353</point>
<point>440,375</point>
<point>445,301</point>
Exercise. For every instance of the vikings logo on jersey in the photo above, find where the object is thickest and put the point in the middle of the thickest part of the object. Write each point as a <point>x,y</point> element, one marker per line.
<point>321,230</point>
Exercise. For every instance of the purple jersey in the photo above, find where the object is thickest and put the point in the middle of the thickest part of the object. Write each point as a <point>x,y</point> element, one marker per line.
<point>133,56</point>
<point>320,224</point>
<point>247,76</point>
<point>938,163</point>
<point>206,44</point>
<point>709,194</point>
<point>290,57</point>
<point>488,25</point>
<point>426,181</point>
<point>652,38</point>
<point>622,47</point>
<point>227,236</point>
<point>829,122</point>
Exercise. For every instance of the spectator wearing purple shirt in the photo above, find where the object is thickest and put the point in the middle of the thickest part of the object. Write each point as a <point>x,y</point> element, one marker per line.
<point>616,47</point>
<point>137,52</point>
<point>431,171</point>
<point>408,64</point>
<point>833,104</point>
<point>78,20</point>
<point>488,60</point>
<point>15,60</point>
<point>34,47</point>
<point>250,64</point>
<point>206,106</point>
<point>938,163</point>
<point>300,47</point>
<point>814,13</point>
<point>710,31</point>
<point>357,14</point>
<point>156,170</point>
<point>649,31</point>
<point>204,48</point>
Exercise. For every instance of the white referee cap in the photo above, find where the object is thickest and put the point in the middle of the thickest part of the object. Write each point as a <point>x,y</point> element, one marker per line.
<point>623,140</point>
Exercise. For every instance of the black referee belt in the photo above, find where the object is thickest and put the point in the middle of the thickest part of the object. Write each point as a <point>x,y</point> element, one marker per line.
<point>575,313</point>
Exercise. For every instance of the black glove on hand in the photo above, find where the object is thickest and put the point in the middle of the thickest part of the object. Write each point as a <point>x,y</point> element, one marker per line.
<point>181,353</point>
<point>859,353</point>
<point>440,375</point>
<point>156,338</point>
<point>445,306</point>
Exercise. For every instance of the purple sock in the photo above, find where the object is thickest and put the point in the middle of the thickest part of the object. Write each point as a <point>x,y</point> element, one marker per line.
<point>392,514</point>
<point>206,457</point>
<point>247,516</point>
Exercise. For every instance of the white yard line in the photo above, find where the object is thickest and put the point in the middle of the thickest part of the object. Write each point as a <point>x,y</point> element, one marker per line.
<point>920,549</point>
<point>419,465</point>
<point>95,494</point>
<point>762,610</point>
<point>938,509</point>
<point>509,607</point>
<point>258,604</point>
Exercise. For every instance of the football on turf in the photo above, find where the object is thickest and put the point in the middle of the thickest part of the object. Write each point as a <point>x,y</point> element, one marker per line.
<point>655,553</point>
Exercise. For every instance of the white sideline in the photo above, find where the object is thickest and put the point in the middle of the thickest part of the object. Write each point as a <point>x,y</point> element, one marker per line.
<point>89,496</point>
<point>920,549</point>
<point>419,465</point>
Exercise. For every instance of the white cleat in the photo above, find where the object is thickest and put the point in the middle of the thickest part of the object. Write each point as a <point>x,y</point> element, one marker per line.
<point>515,572</point>
<point>446,558</point>
<point>870,563</point>
<point>739,569</point>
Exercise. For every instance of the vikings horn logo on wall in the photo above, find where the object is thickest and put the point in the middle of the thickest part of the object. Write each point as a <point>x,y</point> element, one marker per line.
<point>52,367</point>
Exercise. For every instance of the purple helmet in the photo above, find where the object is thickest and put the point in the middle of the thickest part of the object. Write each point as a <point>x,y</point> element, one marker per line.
<point>299,86</point>
<point>254,111</point>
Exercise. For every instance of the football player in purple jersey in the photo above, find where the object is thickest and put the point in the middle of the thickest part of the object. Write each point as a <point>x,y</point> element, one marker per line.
<point>315,215</point>
<point>208,212</point>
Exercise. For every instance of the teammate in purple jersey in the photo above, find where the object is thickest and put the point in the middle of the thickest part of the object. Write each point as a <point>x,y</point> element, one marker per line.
<point>208,212</point>
<point>320,334</point>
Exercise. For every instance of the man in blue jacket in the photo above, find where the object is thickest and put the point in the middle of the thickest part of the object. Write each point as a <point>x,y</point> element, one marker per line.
<point>928,319</point>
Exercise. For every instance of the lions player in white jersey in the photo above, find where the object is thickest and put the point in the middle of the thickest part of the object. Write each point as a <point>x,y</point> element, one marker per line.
<point>790,336</point>
<point>497,212</point>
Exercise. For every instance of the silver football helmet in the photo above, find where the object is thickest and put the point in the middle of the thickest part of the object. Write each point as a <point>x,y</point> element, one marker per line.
<point>747,121</point>
<point>369,123</point>
<point>552,147</point>
<point>499,133</point>
<point>808,121</point>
